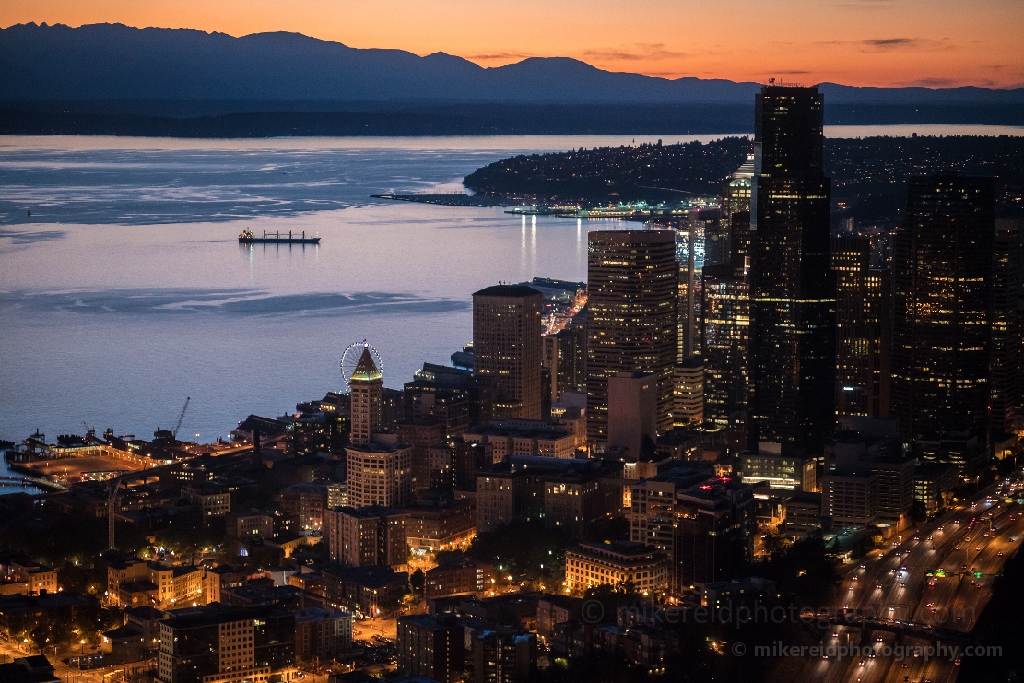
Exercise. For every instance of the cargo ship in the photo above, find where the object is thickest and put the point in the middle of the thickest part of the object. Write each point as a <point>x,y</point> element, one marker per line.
<point>276,238</point>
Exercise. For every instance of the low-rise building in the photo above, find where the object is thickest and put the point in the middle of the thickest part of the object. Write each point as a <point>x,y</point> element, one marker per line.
<point>802,514</point>
<point>137,583</point>
<point>221,644</point>
<point>249,525</point>
<point>616,564</point>
<point>365,591</point>
<point>306,502</point>
<point>213,500</point>
<point>322,634</point>
<point>780,469</point>
<point>525,437</point>
<point>440,523</point>
<point>933,484</point>
<point>21,576</point>
<point>459,574</point>
<point>850,498</point>
<point>565,493</point>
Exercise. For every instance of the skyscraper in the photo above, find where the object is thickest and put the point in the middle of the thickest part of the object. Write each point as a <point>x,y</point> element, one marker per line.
<point>1007,280</point>
<point>942,306</point>
<point>366,386</point>
<point>726,343</point>
<point>863,330</point>
<point>379,468</point>
<point>792,288</point>
<point>631,324</point>
<point>507,348</point>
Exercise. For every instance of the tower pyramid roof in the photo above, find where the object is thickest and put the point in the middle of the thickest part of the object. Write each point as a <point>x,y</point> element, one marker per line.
<point>366,370</point>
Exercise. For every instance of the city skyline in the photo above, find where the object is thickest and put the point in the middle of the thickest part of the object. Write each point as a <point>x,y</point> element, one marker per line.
<point>650,408</point>
<point>929,45</point>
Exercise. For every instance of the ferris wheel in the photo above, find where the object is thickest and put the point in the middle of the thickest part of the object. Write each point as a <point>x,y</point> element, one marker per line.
<point>350,359</point>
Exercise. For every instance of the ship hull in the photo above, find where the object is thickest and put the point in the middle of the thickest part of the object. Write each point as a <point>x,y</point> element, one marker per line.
<point>275,240</point>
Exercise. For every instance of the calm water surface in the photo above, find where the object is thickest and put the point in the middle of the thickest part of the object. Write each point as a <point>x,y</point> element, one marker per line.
<point>126,290</point>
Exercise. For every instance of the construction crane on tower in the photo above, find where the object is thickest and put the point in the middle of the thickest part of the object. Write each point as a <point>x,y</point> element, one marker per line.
<point>174,434</point>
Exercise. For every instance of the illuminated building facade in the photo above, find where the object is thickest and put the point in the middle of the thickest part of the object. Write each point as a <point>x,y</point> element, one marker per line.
<point>366,386</point>
<point>726,343</point>
<point>863,330</point>
<point>220,644</point>
<point>942,306</point>
<point>688,393</point>
<point>366,537</point>
<point>631,322</point>
<point>1007,280</point>
<point>507,347</point>
<point>617,564</point>
<point>793,291</point>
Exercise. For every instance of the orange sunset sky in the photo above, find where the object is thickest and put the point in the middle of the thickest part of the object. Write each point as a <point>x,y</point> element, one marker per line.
<point>857,42</point>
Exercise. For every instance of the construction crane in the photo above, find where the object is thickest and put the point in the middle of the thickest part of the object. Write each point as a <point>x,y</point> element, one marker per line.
<point>174,434</point>
<point>111,510</point>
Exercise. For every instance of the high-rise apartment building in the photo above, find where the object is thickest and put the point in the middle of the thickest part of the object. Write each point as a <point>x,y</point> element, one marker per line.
<point>631,323</point>
<point>379,473</point>
<point>793,290</point>
<point>507,347</point>
<point>942,306</point>
<point>431,647</point>
<point>863,330</point>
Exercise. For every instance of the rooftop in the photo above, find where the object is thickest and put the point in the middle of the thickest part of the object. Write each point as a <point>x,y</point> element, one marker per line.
<point>511,291</point>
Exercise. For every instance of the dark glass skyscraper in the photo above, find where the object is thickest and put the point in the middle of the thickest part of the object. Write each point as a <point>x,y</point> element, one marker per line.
<point>792,288</point>
<point>1007,281</point>
<point>632,279</point>
<point>942,306</point>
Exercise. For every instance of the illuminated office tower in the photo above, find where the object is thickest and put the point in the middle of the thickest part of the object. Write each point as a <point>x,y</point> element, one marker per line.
<point>690,256</point>
<point>688,396</point>
<point>631,317</point>
<point>507,348</point>
<point>736,193</point>
<point>366,386</point>
<point>793,291</point>
<point>1007,280</point>
<point>863,330</point>
<point>726,343</point>
<point>942,306</point>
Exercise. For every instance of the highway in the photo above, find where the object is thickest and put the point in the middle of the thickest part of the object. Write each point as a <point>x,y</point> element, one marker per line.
<point>926,584</point>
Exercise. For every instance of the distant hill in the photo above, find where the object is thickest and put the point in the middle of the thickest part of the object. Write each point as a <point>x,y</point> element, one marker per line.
<point>117,62</point>
<point>115,79</point>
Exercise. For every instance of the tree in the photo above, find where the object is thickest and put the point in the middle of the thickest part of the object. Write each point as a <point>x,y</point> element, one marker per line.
<point>418,581</point>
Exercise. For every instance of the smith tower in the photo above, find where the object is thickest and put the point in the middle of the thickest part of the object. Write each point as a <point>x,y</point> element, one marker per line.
<point>792,291</point>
